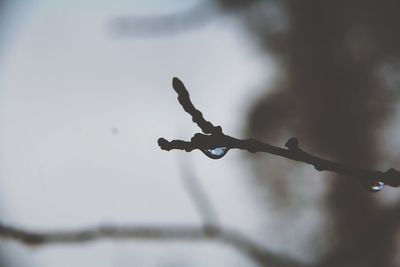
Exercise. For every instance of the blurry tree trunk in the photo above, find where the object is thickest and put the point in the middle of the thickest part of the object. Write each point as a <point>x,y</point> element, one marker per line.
<point>332,99</point>
<point>335,93</point>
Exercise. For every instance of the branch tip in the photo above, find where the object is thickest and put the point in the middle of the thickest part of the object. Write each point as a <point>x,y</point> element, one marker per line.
<point>178,86</point>
<point>163,144</point>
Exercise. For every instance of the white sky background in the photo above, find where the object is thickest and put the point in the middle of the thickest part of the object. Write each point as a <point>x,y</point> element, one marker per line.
<point>65,83</point>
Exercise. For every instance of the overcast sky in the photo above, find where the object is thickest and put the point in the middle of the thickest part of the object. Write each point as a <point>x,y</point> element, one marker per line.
<point>81,112</point>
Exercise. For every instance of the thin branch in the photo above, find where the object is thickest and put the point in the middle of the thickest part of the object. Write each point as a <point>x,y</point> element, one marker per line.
<point>181,233</point>
<point>213,138</point>
<point>165,25</point>
<point>211,231</point>
<point>199,198</point>
<point>212,226</point>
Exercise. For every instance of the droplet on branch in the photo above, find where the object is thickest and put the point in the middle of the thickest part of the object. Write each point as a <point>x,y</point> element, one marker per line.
<point>215,153</point>
<point>376,186</point>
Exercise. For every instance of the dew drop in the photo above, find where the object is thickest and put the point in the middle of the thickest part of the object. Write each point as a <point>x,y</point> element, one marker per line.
<point>215,153</point>
<point>377,186</point>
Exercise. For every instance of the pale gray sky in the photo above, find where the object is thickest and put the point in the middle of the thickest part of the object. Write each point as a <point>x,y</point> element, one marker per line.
<point>65,84</point>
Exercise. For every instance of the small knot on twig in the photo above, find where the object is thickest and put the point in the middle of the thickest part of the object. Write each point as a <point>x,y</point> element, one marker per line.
<point>164,144</point>
<point>292,143</point>
<point>391,177</point>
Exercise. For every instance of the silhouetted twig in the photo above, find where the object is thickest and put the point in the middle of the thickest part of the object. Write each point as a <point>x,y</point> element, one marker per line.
<point>215,144</point>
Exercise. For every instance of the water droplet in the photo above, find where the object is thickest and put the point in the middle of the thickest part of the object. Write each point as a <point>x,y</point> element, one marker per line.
<point>377,186</point>
<point>215,153</point>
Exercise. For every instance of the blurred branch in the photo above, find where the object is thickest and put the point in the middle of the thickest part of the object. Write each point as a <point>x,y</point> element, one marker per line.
<point>215,144</point>
<point>198,195</point>
<point>156,25</point>
<point>234,239</point>
<point>211,231</point>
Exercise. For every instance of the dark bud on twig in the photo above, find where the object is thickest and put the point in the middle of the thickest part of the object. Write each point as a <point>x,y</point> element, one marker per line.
<point>179,87</point>
<point>391,177</point>
<point>292,143</point>
<point>163,144</point>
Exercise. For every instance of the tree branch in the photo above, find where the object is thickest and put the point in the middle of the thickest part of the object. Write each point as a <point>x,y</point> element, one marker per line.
<point>200,199</point>
<point>211,231</point>
<point>215,144</point>
<point>180,233</point>
<point>165,25</point>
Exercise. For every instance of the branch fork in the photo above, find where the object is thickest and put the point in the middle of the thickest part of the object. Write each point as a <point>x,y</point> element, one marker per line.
<point>215,144</point>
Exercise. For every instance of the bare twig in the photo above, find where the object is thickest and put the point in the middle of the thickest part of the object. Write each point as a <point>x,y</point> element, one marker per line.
<point>213,138</point>
<point>211,231</point>
<point>180,233</point>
